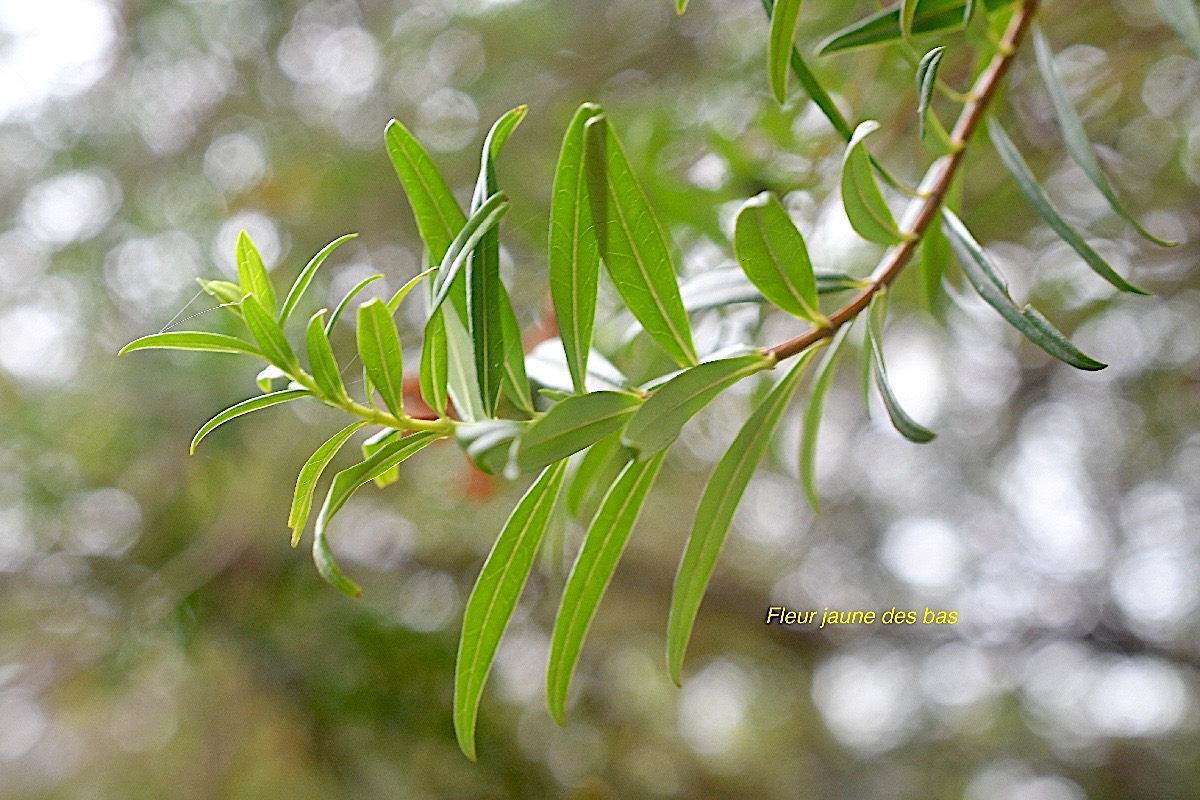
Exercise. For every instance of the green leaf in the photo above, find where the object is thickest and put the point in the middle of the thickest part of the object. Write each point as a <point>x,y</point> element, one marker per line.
<point>812,416</point>
<point>322,361</point>
<point>515,382</point>
<point>460,370</point>
<point>345,302</point>
<point>434,365</point>
<point>438,215</point>
<point>681,6</point>
<point>494,597</point>
<point>657,423</point>
<point>573,424</point>
<point>305,278</point>
<point>483,220</point>
<point>227,294</point>
<point>382,357</point>
<point>986,279</point>
<point>1042,204</point>
<point>269,336</point>
<point>373,445</point>
<point>245,407</point>
<point>344,485</point>
<point>935,256</point>
<point>1075,137</point>
<point>773,254</point>
<point>633,244</point>
<point>393,305</point>
<point>927,72</point>
<point>901,421</point>
<point>884,27</point>
<point>908,12</point>
<point>489,444</point>
<point>715,513</point>
<point>869,215</point>
<point>574,251</point>
<point>252,273</point>
<point>785,17</point>
<point>595,473</point>
<point>310,473</point>
<point>192,340</point>
<point>593,569</point>
<point>1183,18</point>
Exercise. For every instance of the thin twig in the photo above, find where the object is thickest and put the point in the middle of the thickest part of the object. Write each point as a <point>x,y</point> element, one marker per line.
<point>938,180</point>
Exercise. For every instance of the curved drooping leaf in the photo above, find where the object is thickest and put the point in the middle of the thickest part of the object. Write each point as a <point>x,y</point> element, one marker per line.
<point>434,367</point>
<point>344,485</point>
<point>573,424</point>
<point>323,363</point>
<point>593,569</point>
<point>439,218</point>
<point>381,354</point>
<point>785,16</point>
<point>1036,197</point>
<point>252,273</point>
<point>657,423</point>
<point>633,244</point>
<point>245,407</point>
<point>773,254</point>
<point>927,72</point>
<point>495,595</point>
<point>269,335</point>
<point>869,215</point>
<point>483,220</point>
<point>192,340</point>
<point>901,421</point>
<point>1075,137</point>
<point>813,413</point>
<point>344,303</point>
<point>300,286</point>
<point>574,251</point>
<point>310,473</point>
<point>986,279</point>
<point>715,513</point>
<point>883,27</point>
<point>1184,19</point>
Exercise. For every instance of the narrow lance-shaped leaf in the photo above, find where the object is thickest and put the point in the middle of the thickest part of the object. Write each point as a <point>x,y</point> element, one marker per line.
<point>986,279</point>
<point>595,473</point>
<point>573,424</point>
<point>681,6</point>
<point>227,294</point>
<point>633,244</point>
<point>908,428</point>
<point>460,370</point>
<point>593,570</point>
<point>310,473</point>
<point>438,215</point>
<point>393,305</point>
<point>884,27</point>
<point>344,485</point>
<point>715,513</point>
<point>192,340</point>
<point>269,336</point>
<point>322,361</point>
<point>908,12</point>
<point>372,445</point>
<point>1042,204</point>
<point>574,252</point>
<point>784,18</point>
<point>380,352</point>
<point>812,416</point>
<point>252,273</point>
<point>344,303</point>
<point>434,367</point>
<point>245,407</point>
<point>657,423</point>
<point>516,381</point>
<point>1184,19</point>
<point>1075,137</point>
<point>494,597</point>
<point>869,215</point>
<point>773,254</point>
<point>927,72</point>
<point>484,219</point>
<point>305,277</point>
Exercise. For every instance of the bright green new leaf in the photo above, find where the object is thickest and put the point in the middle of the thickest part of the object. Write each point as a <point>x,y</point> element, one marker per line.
<point>633,244</point>
<point>1183,18</point>
<point>438,215</point>
<point>813,413</point>
<point>1075,137</point>
<point>1042,204</point>
<point>434,365</point>
<point>344,303</point>
<point>380,352</point>
<point>310,473</point>
<point>593,569</point>
<point>245,407</point>
<point>574,252</point>
<point>228,294</point>
<point>927,72</point>
<point>573,424</point>
<point>269,335</point>
<point>869,215</point>
<point>884,27</point>
<point>657,423</point>
<point>305,278</point>
<point>192,340</point>
<point>681,6</point>
<point>252,273</point>
<point>323,363</point>
<point>393,305</point>
<point>901,421</point>
<point>494,597</point>
<point>715,513</point>
<point>986,279</point>
<point>785,16</point>
<point>773,254</point>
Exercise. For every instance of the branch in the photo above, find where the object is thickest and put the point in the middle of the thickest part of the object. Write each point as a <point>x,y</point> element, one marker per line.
<point>924,209</point>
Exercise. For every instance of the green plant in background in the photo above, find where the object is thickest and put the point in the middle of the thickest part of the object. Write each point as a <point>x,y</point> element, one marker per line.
<point>473,372</point>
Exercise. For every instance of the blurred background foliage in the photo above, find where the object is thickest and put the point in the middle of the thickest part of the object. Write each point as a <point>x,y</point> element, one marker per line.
<point>158,637</point>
